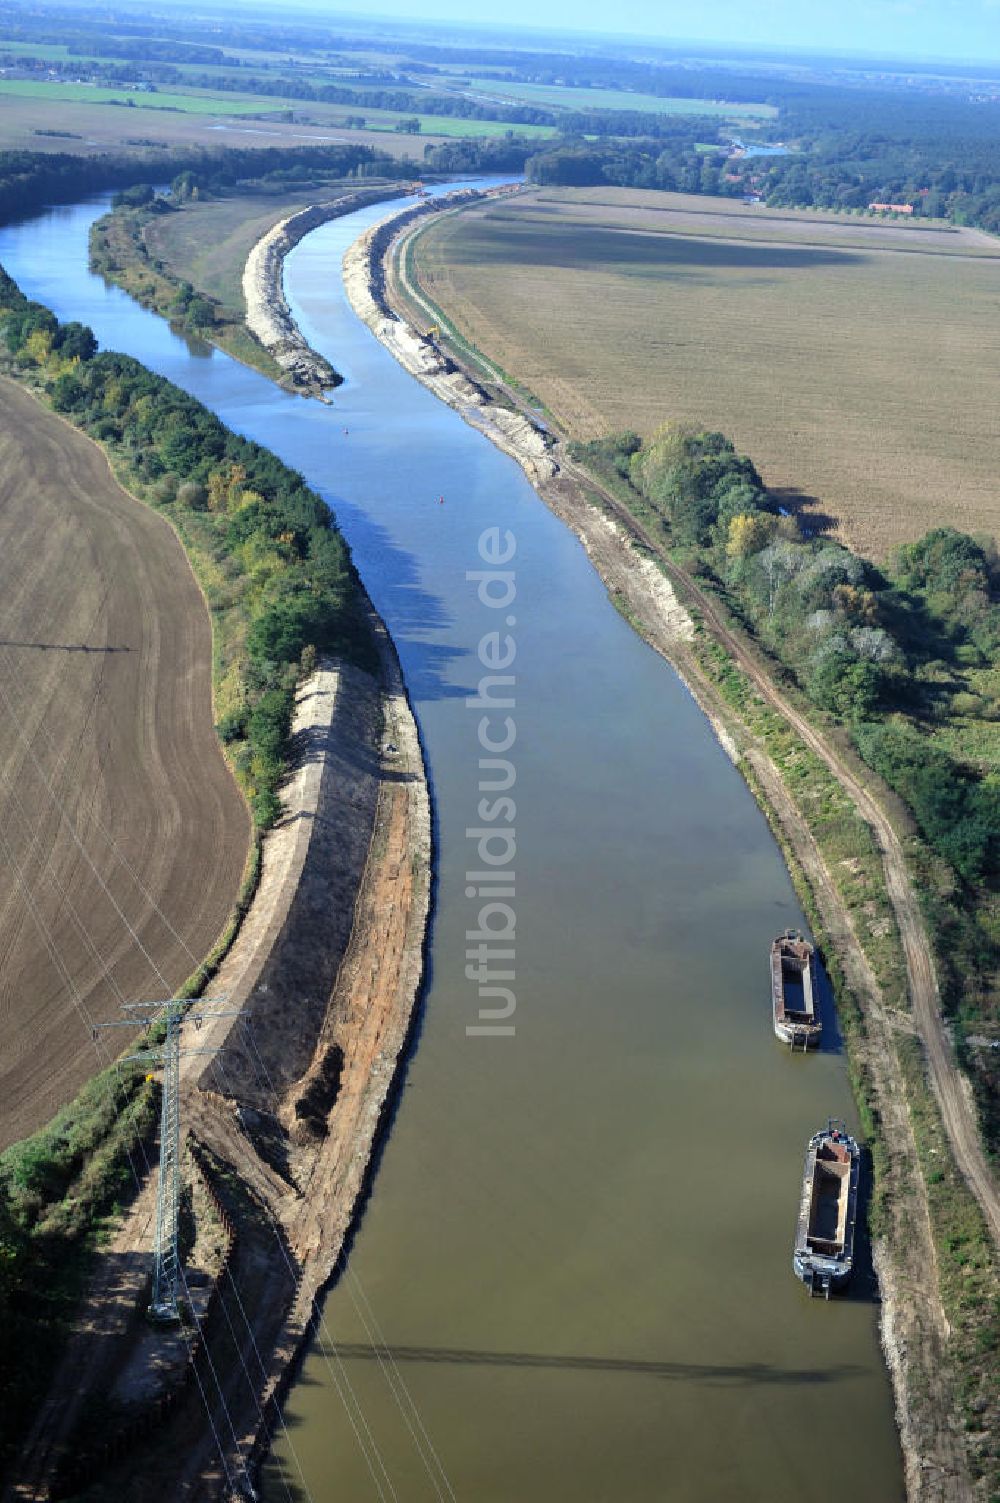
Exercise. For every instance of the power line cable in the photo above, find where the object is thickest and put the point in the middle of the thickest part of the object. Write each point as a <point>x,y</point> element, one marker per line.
<point>88,1021</point>
<point>80,845</point>
<point>15,867</point>
<point>375,1450</point>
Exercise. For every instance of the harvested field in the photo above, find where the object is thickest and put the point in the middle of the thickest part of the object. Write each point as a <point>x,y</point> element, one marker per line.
<point>855,360</point>
<point>122,833</point>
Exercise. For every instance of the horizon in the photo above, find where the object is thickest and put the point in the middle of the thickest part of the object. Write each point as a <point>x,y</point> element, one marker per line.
<point>964,32</point>
<point>953,33</point>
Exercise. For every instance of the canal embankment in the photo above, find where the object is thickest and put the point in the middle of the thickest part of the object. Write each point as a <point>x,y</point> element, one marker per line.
<point>320,987</point>
<point>684,624</point>
<point>268,316</point>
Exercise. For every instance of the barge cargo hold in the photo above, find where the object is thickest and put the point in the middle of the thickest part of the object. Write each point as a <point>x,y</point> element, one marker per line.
<point>794,993</point>
<point>824,1238</point>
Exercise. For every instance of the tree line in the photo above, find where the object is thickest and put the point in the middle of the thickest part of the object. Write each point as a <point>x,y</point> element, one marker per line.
<point>904,658</point>
<point>855,638</point>
<point>952,179</point>
<point>672,163</point>
<point>31,180</point>
<point>292,590</point>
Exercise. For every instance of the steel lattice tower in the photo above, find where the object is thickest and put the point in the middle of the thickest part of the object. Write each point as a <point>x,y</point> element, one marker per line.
<point>172,1014</point>
<point>166,1259</point>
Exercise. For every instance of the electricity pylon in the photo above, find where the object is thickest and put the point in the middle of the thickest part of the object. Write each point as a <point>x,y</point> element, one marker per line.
<point>173,1014</point>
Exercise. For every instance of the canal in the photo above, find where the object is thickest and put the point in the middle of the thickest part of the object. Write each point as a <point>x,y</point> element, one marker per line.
<point>578,1243</point>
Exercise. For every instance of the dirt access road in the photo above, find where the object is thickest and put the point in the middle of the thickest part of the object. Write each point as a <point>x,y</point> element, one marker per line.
<point>950,1087</point>
<point>122,833</point>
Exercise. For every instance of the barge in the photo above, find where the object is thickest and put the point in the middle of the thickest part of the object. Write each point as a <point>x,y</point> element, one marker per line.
<point>824,1238</point>
<point>794,993</point>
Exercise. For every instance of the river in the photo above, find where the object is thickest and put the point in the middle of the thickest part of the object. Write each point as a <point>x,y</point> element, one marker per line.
<point>579,1239</point>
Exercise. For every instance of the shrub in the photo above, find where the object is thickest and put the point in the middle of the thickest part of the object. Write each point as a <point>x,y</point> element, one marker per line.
<point>193,495</point>
<point>66,392</point>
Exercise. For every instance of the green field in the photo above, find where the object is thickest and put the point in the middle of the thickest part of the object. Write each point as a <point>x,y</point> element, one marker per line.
<point>226,105</point>
<point>194,104</point>
<point>856,361</point>
<point>60,53</point>
<point>514,92</point>
<point>48,51</point>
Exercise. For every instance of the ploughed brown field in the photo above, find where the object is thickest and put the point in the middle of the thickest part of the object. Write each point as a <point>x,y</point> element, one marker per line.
<point>123,836</point>
<point>856,360</point>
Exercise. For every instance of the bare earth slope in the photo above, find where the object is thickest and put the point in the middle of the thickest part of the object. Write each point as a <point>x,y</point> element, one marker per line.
<point>854,360</point>
<point>105,735</point>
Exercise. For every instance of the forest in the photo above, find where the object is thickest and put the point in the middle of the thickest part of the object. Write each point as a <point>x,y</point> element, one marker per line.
<point>29,180</point>
<point>943,175</point>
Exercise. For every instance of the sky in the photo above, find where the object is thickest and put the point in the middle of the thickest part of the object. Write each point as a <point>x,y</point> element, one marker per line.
<point>967,30</point>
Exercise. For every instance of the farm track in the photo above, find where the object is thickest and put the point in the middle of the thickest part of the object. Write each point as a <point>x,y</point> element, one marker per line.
<point>953,1095</point>
<point>107,751</point>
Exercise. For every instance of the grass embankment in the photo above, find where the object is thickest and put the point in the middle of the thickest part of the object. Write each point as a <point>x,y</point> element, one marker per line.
<point>408,284</point>
<point>207,240</point>
<point>280,587</point>
<point>850,357</point>
<point>932,609</point>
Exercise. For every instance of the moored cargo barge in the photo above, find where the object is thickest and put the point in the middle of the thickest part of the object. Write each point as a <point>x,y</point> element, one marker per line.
<point>794,993</point>
<point>824,1238</point>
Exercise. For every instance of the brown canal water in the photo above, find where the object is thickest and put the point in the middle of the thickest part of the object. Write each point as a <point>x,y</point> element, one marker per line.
<point>578,1241</point>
